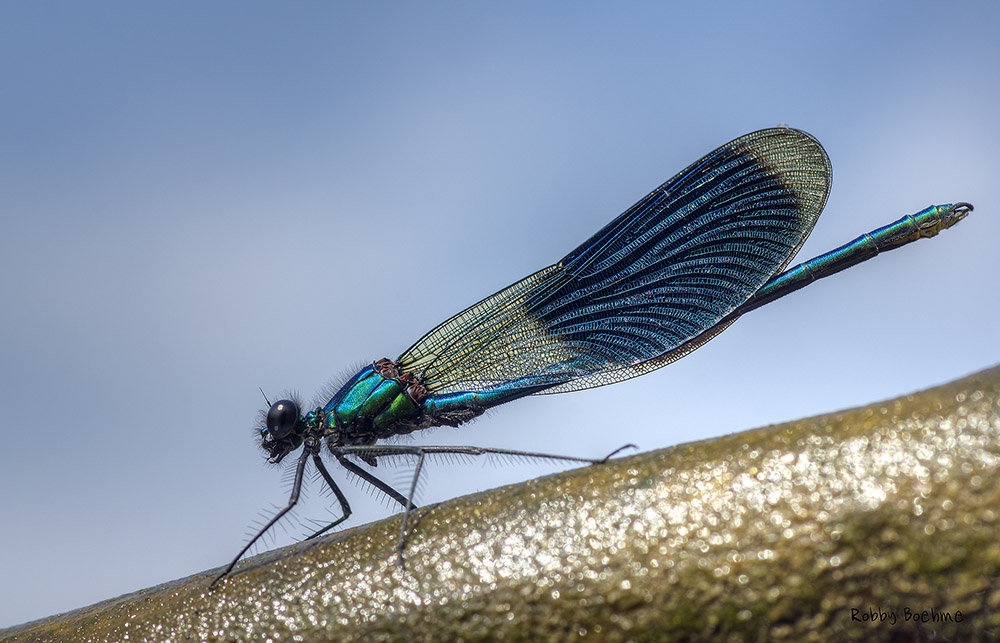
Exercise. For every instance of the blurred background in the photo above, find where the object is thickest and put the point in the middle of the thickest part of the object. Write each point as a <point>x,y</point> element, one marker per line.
<point>198,200</point>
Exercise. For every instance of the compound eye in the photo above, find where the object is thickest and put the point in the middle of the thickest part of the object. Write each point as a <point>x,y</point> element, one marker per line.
<point>281,419</point>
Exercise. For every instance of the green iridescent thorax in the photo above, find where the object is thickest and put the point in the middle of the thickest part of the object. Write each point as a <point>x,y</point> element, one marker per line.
<point>377,402</point>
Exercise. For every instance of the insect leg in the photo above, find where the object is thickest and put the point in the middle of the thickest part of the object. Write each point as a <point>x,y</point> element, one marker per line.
<point>292,500</point>
<point>398,449</point>
<point>340,452</point>
<point>421,452</point>
<point>409,506</point>
<point>344,505</point>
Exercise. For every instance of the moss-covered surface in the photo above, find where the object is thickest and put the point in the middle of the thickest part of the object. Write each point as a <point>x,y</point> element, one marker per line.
<point>785,533</point>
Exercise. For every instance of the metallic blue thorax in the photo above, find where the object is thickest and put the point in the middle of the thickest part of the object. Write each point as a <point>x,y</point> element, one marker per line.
<point>381,401</point>
<point>377,402</point>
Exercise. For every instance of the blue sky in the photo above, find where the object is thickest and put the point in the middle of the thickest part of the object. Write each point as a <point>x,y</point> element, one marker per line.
<point>202,199</point>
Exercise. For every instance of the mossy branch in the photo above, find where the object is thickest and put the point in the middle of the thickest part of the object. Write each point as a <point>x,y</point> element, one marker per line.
<point>801,532</point>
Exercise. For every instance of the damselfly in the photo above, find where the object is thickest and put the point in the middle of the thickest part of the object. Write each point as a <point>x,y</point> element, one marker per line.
<point>663,278</point>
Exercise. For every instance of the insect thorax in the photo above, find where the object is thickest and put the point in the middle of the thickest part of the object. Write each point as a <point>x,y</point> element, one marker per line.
<point>378,402</point>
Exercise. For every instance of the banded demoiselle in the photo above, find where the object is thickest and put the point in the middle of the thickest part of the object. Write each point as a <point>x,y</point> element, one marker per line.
<point>670,273</point>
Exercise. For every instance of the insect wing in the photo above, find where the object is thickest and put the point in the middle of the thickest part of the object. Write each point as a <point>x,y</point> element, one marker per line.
<point>649,287</point>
